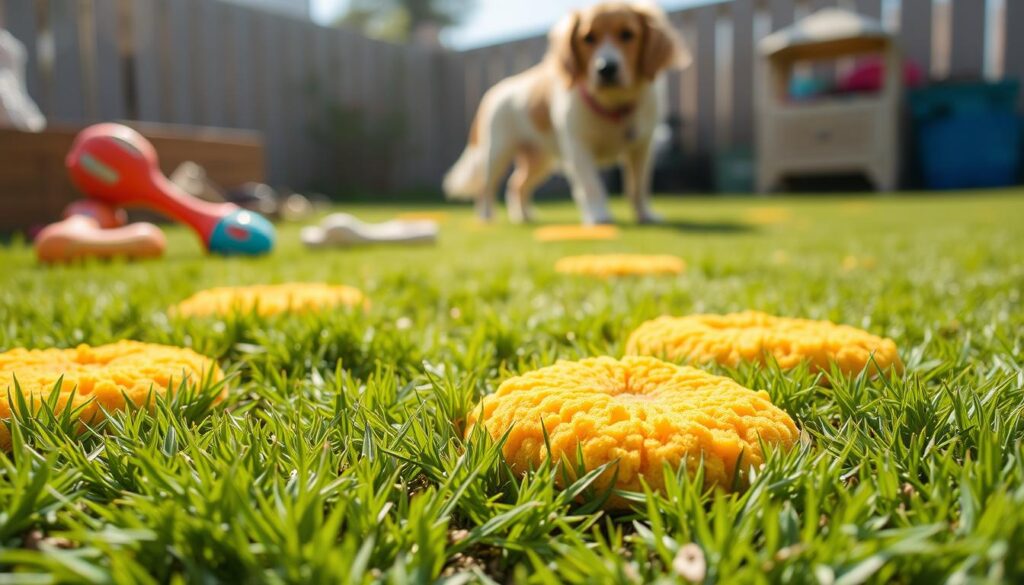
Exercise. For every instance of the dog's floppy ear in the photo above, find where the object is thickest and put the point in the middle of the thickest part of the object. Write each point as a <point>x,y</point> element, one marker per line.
<point>562,46</point>
<point>662,48</point>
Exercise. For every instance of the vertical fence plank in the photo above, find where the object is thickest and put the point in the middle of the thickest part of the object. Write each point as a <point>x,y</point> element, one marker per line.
<point>706,66</point>
<point>538,49</point>
<point>246,96</point>
<point>435,162</point>
<point>452,97</point>
<point>321,65</point>
<point>524,55</point>
<point>348,58</point>
<point>20,16</point>
<point>423,113</point>
<point>322,98</point>
<point>1013,64</point>
<point>270,31</point>
<point>411,101</point>
<point>390,87</point>
<point>472,79</point>
<point>210,62</point>
<point>873,8</point>
<point>231,16</point>
<point>495,66</point>
<point>341,66</point>
<point>428,111</point>
<point>674,78</point>
<point>743,72</point>
<point>181,18</point>
<point>916,31</point>
<point>687,82</point>
<point>147,63</point>
<point>510,53</point>
<point>365,79</point>
<point>411,118</point>
<point>68,103</point>
<point>967,58</point>
<point>110,86</point>
<point>782,12</point>
<point>358,76</point>
<point>334,65</point>
<point>292,101</point>
<point>300,68</point>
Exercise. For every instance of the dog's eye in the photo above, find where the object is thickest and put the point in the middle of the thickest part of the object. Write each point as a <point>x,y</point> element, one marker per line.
<point>589,38</point>
<point>626,35</point>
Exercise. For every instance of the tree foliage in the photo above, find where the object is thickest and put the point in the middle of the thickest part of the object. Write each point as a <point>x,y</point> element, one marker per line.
<point>399,20</point>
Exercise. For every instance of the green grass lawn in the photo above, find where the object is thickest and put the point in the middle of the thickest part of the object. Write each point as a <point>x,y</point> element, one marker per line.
<point>339,455</point>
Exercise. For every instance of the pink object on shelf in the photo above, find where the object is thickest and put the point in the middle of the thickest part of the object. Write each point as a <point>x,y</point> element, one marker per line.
<point>867,75</point>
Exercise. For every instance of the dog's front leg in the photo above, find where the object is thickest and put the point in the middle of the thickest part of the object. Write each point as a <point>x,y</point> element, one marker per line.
<point>585,178</point>
<point>637,168</point>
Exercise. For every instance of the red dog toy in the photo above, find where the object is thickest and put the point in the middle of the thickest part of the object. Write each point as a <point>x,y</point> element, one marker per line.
<point>116,165</point>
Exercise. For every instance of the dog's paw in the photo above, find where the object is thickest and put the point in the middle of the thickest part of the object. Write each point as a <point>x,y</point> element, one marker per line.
<point>600,220</point>
<point>519,215</point>
<point>649,217</point>
<point>484,211</point>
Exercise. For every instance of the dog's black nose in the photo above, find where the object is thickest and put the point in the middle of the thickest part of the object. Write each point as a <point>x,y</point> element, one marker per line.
<point>607,70</point>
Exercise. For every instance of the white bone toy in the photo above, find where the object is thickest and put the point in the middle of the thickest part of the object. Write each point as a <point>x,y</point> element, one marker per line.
<point>342,229</point>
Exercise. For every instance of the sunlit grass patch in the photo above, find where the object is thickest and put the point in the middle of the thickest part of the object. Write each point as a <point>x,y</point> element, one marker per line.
<point>341,452</point>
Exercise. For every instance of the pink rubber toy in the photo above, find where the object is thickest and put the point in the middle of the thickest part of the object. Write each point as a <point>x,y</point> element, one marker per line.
<point>80,236</point>
<point>116,165</point>
<point>106,216</point>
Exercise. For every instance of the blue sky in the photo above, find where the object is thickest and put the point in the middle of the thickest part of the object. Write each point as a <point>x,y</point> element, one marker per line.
<point>495,20</point>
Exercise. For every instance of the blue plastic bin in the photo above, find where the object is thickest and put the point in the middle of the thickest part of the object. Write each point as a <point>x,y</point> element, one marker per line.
<point>967,134</point>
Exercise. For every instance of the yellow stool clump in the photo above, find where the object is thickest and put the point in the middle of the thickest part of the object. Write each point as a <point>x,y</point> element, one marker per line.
<point>104,377</point>
<point>269,299</point>
<point>639,412</point>
<point>752,336</point>
<point>610,265</point>
<point>567,233</point>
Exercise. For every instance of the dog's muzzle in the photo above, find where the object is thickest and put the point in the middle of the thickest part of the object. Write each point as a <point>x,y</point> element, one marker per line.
<point>607,71</point>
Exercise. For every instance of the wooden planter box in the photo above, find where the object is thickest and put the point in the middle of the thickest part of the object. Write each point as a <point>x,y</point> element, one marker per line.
<point>35,188</point>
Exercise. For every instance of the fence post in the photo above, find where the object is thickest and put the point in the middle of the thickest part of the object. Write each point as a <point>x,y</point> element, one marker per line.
<point>967,57</point>
<point>782,13</point>
<point>146,65</point>
<point>245,99</point>
<point>210,60</point>
<point>181,19</point>
<point>707,17</point>
<point>872,8</point>
<point>109,80</point>
<point>269,29</point>
<point>68,88</point>
<point>21,22</point>
<point>742,71</point>
<point>1014,50</point>
<point>916,32</point>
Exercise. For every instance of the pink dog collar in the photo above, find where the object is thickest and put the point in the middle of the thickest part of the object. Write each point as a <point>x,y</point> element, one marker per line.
<point>613,114</point>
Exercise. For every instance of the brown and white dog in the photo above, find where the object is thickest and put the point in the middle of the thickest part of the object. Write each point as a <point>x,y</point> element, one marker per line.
<point>593,101</point>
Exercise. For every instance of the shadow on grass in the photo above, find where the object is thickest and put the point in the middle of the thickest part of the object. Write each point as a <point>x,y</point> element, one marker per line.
<point>710,227</point>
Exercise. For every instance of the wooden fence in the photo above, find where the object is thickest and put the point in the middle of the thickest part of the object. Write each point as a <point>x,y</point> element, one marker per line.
<point>340,109</point>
